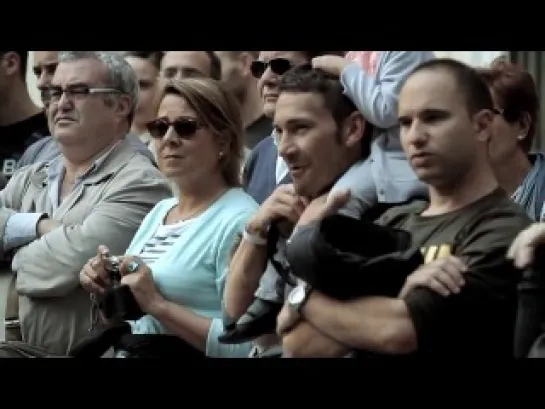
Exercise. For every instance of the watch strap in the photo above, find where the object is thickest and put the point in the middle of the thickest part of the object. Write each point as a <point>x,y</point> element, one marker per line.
<point>255,239</point>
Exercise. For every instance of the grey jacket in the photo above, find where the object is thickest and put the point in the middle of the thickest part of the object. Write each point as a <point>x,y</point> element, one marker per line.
<point>107,208</point>
<point>47,149</point>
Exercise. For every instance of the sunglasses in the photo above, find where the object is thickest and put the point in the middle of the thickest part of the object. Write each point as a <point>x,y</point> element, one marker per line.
<point>185,128</point>
<point>278,65</point>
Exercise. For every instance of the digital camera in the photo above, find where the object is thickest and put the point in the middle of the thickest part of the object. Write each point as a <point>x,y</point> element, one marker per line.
<point>118,302</point>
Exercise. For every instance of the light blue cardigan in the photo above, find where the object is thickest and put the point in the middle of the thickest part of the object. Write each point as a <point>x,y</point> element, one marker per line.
<point>192,272</point>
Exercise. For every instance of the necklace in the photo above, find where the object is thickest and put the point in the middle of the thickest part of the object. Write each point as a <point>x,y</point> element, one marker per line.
<point>199,210</point>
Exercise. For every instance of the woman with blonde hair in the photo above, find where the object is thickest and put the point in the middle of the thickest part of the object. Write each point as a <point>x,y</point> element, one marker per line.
<point>177,262</point>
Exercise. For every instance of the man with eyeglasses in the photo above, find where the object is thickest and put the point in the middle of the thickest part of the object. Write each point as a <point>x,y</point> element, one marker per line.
<point>46,149</point>
<point>55,214</point>
<point>21,122</point>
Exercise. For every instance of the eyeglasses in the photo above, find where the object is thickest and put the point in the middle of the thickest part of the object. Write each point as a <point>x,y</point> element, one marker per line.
<point>185,128</point>
<point>278,65</point>
<point>53,94</point>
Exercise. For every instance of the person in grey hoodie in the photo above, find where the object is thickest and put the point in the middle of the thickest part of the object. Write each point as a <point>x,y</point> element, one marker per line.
<point>372,80</point>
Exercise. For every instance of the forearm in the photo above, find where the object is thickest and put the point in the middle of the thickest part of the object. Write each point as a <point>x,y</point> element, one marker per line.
<point>49,267</point>
<point>183,323</point>
<point>371,100</point>
<point>375,324</point>
<point>21,229</point>
<point>246,269</point>
<point>306,341</point>
<point>377,98</point>
<point>200,332</point>
<point>530,311</point>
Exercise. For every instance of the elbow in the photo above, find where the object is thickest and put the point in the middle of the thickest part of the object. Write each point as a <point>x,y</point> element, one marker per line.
<point>387,115</point>
<point>399,339</point>
<point>397,334</point>
<point>233,308</point>
<point>44,290</point>
<point>38,287</point>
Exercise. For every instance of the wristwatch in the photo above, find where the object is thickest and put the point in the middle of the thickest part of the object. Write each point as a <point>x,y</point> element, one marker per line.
<point>298,297</point>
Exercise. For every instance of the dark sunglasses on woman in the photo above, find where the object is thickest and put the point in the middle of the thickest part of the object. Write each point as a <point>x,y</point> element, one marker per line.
<point>278,65</point>
<point>185,128</point>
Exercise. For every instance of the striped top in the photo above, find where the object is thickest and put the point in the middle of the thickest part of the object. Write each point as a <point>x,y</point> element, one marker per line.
<point>164,237</point>
<point>189,261</point>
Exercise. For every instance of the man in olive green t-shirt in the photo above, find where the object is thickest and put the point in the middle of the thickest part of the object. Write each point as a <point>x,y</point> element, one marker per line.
<point>446,114</point>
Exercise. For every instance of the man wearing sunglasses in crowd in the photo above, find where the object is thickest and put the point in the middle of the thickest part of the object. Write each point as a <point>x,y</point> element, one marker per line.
<point>265,170</point>
<point>55,214</point>
<point>46,149</point>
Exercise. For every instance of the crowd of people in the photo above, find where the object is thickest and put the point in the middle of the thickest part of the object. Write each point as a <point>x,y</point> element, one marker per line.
<point>270,204</point>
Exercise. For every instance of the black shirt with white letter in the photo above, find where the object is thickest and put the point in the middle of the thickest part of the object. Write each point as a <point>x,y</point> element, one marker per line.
<point>15,138</point>
<point>480,320</point>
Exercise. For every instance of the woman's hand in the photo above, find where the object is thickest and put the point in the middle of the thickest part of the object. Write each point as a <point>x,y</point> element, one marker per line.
<point>524,247</point>
<point>137,276</point>
<point>94,277</point>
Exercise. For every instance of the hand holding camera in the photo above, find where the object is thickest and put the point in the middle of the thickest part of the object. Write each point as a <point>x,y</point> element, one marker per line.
<point>102,276</point>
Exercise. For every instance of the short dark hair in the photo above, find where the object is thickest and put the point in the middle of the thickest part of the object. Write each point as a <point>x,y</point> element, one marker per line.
<point>215,65</point>
<point>23,58</point>
<point>304,78</point>
<point>468,81</point>
<point>154,56</point>
<point>516,94</point>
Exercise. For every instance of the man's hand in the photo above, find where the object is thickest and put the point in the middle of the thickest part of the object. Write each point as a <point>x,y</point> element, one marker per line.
<point>305,341</point>
<point>323,206</point>
<point>522,251</point>
<point>332,64</point>
<point>284,204</point>
<point>444,276</point>
<point>46,225</point>
<point>286,320</point>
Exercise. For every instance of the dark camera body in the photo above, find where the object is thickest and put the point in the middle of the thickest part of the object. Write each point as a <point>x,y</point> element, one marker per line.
<point>118,302</point>
<point>346,258</point>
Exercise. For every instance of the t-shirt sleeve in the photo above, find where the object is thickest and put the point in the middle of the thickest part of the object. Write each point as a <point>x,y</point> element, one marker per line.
<point>487,301</point>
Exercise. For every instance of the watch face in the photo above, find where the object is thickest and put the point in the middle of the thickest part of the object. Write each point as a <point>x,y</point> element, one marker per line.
<point>297,296</point>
